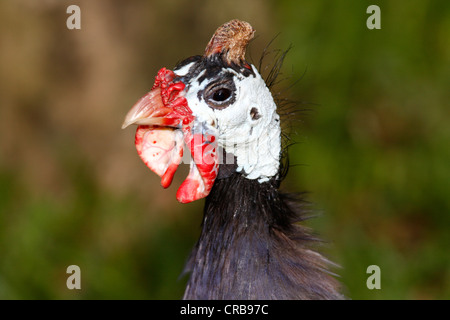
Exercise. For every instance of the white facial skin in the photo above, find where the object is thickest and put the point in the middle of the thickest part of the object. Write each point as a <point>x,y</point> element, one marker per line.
<point>255,141</point>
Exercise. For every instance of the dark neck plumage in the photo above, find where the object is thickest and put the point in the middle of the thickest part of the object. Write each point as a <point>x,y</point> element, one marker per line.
<point>251,248</point>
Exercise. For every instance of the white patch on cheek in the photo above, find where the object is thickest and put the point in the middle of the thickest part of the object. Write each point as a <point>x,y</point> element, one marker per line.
<point>183,70</point>
<point>255,143</point>
<point>199,108</point>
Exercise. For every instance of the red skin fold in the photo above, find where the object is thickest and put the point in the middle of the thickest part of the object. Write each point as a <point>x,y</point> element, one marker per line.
<point>160,146</point>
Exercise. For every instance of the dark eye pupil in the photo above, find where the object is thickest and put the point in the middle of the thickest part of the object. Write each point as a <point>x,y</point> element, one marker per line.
<point>221,94</point>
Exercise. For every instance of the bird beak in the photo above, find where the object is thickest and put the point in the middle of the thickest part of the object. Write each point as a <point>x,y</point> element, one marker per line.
<point>149,110</point>
<point>165,127</point>
<point>159,106</point>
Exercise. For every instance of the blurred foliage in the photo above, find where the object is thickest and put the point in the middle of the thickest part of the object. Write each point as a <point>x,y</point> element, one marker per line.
<point>373,149</point>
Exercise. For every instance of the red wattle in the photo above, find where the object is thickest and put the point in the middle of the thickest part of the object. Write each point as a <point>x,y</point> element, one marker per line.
<point>167,177</point>
<point>204,171</point>
<point>160,145</point>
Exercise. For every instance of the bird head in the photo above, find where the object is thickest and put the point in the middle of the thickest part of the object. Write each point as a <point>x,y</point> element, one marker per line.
<point>209,106</point>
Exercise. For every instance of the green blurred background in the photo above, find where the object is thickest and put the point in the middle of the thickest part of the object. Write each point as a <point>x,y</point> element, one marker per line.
<point>374,149</point>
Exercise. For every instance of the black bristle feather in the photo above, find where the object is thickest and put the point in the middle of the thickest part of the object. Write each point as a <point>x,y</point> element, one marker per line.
<point>252,247</point>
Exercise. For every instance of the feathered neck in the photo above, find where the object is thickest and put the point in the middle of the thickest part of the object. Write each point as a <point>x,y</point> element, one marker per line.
<point>251,248</point>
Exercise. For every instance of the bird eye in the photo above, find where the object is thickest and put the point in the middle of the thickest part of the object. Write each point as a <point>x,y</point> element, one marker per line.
<point>221,94</point>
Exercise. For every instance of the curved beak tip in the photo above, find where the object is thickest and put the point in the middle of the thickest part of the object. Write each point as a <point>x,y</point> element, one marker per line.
<point>129,121</point>
<point>125,124</point>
